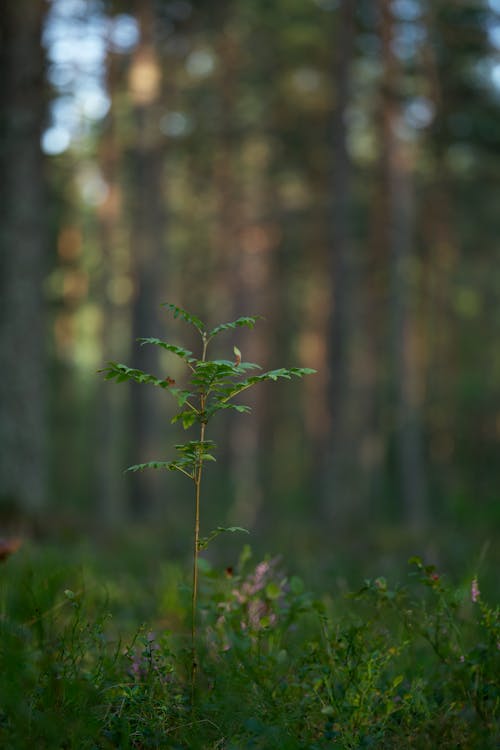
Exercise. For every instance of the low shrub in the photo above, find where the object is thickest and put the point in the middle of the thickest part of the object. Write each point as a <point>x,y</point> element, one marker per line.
<point>412,666</point>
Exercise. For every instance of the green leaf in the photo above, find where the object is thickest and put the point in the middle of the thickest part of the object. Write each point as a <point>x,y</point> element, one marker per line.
<point>248,321</point>
<point>168,465</point>
<point>245,366</point>
<point>275,374</point>
<point>121,373</point>
<point>205,541</point>
<point>296,585</point>
<point>273,590</point>
<point>186,465</point>
<point>232,529</point>
<point>178,312</point>
<point>301,371</point>
<point>219,405</point>
<point>188,418</point>
<point>241,408</point>
<point>178,350</point>
<point>210,375</point>
<point>195,446</point>
<point>181,395</point>
<point>195,450</point>
<point>272,375</point>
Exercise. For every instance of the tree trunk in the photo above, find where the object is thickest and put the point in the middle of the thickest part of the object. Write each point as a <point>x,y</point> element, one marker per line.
<point>442,241</point>
<point>23,433</point>
<point>147,249</point>
<point>339,475</point>
<point>398,166</point>
<point>114,295</point>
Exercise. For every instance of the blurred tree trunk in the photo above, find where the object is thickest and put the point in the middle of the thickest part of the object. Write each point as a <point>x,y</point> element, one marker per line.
<point>23,255</point>
<point>114,294</point>
<point>340,452</point>
<point>442,239</point>
<point>234,291</point>
<point>398,166</point>
<point>227,283</point>
<point>147,248</point>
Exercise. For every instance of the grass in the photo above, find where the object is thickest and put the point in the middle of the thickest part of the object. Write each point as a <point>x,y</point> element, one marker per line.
<point>386,666</point>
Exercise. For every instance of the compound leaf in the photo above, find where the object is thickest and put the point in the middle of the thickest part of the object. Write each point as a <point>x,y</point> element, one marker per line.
<point>248,321</point>
<point>205,541</point>
<point>178,350</point>
<point>121,373</point>
<point>178,312</point>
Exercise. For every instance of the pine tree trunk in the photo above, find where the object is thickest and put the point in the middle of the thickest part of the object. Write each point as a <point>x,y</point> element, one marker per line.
<point>148,255</point>
<point>339,476</point>
<point>114,294</point>
<point>398,165</point>
<point>22,259</point>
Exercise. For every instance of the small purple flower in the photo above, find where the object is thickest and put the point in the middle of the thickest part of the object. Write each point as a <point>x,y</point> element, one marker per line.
<point>146,661</point>
<point>474,591</point>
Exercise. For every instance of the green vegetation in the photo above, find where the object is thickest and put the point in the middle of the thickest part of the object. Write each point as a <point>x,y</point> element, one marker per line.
<point>212,386</point>
<point>413,666</point>
<point>267,664</point>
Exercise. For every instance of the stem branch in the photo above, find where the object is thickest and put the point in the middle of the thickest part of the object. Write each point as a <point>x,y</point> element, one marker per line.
<point>196,541</point>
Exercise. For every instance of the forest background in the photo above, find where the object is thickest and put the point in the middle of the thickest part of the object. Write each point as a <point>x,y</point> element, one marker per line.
<point>330,165</point>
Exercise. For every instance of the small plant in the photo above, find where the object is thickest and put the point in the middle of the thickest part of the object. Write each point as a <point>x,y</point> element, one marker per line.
<point>212,387</point>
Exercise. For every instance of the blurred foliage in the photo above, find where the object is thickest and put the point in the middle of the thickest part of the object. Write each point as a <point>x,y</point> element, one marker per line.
<point>193,154</point>
<point>391,664</point>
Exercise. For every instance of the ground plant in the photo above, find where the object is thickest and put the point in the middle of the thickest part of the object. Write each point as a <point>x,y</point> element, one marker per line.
<point>411,665</point>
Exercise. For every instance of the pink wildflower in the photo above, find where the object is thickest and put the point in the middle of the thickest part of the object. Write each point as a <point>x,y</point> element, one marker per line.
<point>474,591</point>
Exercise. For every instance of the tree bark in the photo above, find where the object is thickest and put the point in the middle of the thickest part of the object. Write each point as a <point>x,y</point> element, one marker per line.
<point>23,433</point>
<point>148,253</point>
<point>339,476</point>
<point>110,485</point>
<point>398,164</point>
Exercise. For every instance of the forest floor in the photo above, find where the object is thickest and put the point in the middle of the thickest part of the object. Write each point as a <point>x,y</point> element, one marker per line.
<point>94,655</point>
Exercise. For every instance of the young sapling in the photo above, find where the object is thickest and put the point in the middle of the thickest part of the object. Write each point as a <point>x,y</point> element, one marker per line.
<point>211,387</point>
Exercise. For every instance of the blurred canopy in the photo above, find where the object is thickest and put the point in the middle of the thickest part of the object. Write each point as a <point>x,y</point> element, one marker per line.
<point>330,165</point>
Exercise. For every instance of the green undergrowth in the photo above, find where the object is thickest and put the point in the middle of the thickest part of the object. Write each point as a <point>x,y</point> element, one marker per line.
<point>414,665</point>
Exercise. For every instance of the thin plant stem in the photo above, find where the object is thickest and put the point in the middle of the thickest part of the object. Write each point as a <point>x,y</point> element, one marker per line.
<point>196,542</point>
